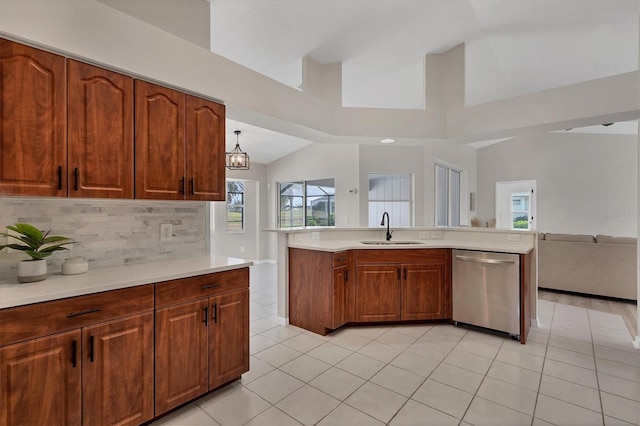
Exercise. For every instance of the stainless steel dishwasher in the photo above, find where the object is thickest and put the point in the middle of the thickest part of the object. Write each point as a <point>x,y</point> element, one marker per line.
<point>486,290</point>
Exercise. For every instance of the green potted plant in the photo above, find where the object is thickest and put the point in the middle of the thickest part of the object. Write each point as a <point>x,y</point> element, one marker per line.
<point>38,245</point>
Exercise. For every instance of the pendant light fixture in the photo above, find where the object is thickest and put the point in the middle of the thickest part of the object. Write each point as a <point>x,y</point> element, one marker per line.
<point>237,159</point>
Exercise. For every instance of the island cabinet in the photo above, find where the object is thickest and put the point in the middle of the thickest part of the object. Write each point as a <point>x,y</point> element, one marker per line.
<point>328,290</point>
<point>179,145</point>
<point>402,284</point>
<point>320,289</point>
<point>33,121</point>
<point>100,127</point>
<point>202,335</point>
<point>83,360</point>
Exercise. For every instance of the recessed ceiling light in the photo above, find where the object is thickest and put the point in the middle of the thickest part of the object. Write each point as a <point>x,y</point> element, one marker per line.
<point>387,140</point>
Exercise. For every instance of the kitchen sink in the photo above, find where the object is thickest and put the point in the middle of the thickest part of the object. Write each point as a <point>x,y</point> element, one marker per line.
<point>390,243</point>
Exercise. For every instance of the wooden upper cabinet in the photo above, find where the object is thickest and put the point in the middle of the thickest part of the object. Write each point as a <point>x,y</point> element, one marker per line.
<point>205,139</point>
<point>160,147</point>
<point>100,125</point>
<point>33,121</point>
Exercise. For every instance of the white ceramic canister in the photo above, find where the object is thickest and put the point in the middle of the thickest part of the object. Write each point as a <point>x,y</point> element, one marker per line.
<point>75,265</point>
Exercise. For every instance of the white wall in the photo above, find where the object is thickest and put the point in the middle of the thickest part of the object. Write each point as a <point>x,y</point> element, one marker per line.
<point>586,184</point>
<point>254,241</point>
<point>243,244</point>
<point>420,161</point>
<point>186,19</point>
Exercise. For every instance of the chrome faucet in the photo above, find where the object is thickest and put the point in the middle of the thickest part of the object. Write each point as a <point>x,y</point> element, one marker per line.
<point>382,224</point>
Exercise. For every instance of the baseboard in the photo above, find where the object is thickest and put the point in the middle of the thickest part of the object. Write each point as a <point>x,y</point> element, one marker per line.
<point>594,296</point>
<point>636,343</point>
<point>281,320</point>
<point>535,323</point>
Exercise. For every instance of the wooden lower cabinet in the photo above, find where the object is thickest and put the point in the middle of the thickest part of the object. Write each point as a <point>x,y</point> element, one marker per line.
<point>97,375</point>
<point>40,381</point>
<point>340,297</point>
<point>425,292</point>
<point>181,354</point>
<point>378,293</point>
<point>202,344</point>
<point>117,372</point>
<point>228,337</point>
<point>387,285</point>
<point>320,290</point>
<point>110,359</point>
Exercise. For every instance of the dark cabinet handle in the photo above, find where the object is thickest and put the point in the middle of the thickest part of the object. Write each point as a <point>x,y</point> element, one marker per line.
<point>74,353</point>
<point>215,313</point>
<point>59,178</point>
<point>192,187</point>
<point>340,259</point>
<point>181,190</point>
<point>399,274</point>
<point>346,276</point>
<point>88,311</point>
<point>206,315</point>
<point>76,178</point>
<point>204,287</point>
<point>91,348</point>
<point>405,274</point>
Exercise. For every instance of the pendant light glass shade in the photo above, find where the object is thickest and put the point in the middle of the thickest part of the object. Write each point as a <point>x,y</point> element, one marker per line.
<point>237,159</point>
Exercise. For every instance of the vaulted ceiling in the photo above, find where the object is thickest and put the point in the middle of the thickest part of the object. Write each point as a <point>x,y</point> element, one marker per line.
<point>513,47</point>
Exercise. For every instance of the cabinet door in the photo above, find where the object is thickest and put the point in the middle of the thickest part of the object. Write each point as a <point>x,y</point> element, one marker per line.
<point>340,297</point>
<point>424,294</point>
<point>100,132</point>
<point>205,141</point>
<point>40,381</point>
<point>377,293</point>
<point>181,354</point>
<point>33,121</point>
<point>229,337</point>
<point>117,372</point>
<point>159,158</point>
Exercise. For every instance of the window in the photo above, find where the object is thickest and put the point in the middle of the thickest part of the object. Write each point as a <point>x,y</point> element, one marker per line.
<point>235,206</point>
<point>447,196</point>
<point>390,193</point>
<point>520,211</point>
<point>307,203</point>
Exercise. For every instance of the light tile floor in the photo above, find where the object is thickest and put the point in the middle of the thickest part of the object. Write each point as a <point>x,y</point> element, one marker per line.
<point>578,368</point>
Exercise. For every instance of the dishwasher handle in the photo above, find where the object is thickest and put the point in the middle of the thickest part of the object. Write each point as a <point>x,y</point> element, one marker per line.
<point>487,261</point>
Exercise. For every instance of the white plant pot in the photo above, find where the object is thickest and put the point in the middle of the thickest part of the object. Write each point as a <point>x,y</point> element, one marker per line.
<point>30,271</point>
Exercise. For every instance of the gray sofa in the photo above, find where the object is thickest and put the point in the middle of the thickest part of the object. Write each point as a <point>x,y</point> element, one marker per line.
<point>600,265</point>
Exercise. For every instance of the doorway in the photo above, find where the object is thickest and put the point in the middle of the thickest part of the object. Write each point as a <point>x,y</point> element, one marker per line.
<point>516,204</point>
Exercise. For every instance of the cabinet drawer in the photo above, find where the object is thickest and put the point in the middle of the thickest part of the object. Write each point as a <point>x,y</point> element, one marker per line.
<point>340,259</point>
<point>182,290</point>
<point>401,256</point>
<point>42,319</point>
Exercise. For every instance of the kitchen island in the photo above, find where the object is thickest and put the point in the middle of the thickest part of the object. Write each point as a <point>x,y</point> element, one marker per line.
<point>405,279</point>
<point>124,344</point>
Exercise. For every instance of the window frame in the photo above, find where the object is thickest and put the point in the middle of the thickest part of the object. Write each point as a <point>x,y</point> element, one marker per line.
<point>304,207</point>
<point>235,206</point>
<point>393,217</point>
<point>452,206</point>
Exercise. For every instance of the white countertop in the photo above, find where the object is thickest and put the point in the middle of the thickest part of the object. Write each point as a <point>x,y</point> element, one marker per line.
<point>341,245</point>
<point>58,286</point>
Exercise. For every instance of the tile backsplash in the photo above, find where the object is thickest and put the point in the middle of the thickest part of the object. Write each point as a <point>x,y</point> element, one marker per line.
<point>108,232</point>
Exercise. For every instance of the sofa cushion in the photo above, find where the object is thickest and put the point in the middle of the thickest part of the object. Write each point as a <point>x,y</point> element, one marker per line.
<point>541,235</point>
<point>608,239</point>
<point>574,238</point>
